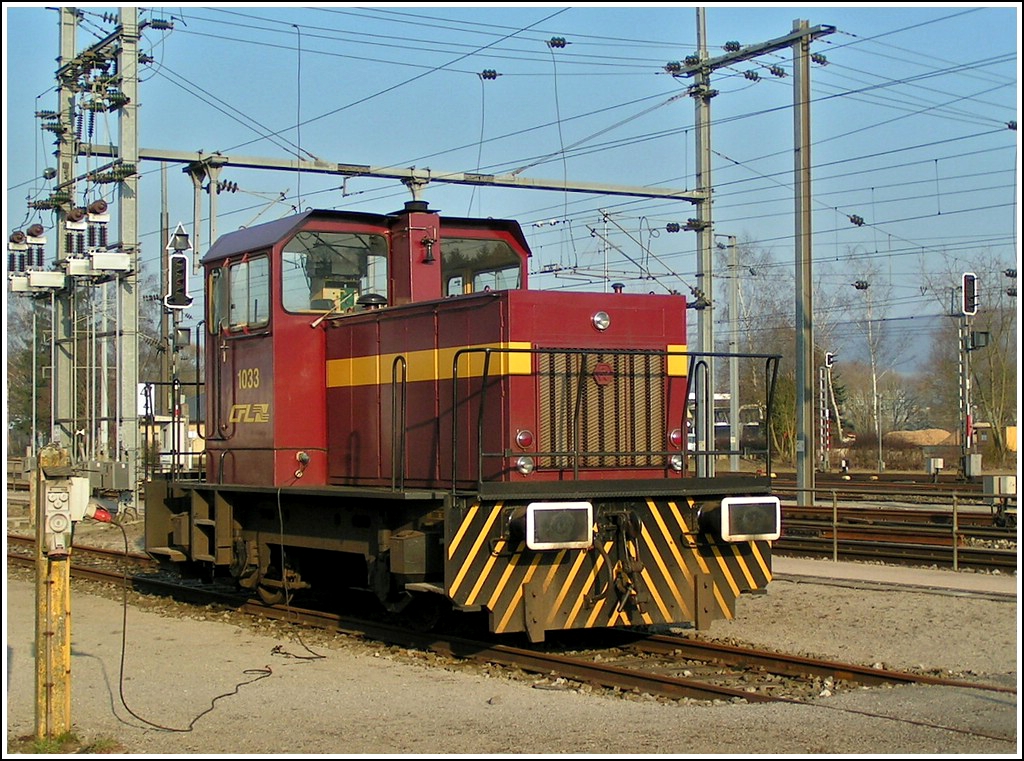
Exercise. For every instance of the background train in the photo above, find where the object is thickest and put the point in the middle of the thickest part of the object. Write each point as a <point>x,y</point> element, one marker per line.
<point>390,407</point>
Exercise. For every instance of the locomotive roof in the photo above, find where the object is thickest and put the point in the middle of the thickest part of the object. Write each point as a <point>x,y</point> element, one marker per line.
<point>266,234</point>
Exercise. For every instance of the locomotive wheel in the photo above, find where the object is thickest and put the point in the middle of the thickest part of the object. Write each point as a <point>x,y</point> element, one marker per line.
<point>425,612</point>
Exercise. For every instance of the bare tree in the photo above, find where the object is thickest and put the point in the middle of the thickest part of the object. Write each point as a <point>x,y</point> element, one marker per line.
<point>991,342</point>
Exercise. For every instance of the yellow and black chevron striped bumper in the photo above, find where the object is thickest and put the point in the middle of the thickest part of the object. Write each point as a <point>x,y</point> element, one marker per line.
<point>648,565</point>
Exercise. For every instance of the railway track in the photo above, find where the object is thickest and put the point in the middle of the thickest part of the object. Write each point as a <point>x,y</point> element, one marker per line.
<point>671,667</point>
<point>900,535</point>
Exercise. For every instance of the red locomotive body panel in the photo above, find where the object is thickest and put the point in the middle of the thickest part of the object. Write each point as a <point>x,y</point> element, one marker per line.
<point>442,348</point>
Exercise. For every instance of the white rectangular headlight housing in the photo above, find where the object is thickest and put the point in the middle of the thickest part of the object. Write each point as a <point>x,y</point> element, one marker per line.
<point>559,525</point>
<point>745,519</point>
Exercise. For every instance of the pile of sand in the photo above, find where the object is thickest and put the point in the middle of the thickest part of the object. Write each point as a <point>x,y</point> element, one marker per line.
<point>928,437</point>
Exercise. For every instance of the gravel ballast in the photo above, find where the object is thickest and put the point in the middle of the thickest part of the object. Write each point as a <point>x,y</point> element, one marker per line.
<point>205,684</point>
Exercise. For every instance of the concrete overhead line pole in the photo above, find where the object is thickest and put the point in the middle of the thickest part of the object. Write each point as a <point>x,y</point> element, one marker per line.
<point>705,386</point>
<point>804,291</point>
<point>62,380</point>
<point>700,68</point>
<point>129,442</point>
<point>76,78</point>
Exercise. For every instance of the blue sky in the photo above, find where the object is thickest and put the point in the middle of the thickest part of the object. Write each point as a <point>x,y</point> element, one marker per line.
<point>909,128</point>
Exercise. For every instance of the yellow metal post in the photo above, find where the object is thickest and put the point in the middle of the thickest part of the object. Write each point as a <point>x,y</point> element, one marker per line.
<point>53,615</point>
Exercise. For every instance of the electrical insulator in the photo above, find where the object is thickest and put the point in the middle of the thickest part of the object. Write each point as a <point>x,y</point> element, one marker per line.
<point>777,71</point>
<point>861,285</point>
<point>752,75</point>
<point>39,256</point>
<point>857,219</point>
<point>673,67</point>
<point>818,58</point>
<point>177,287</point>
<point>732,46</point>
<point>488,74</point>
<point>692,60</point>
<point>672,227</point>
<point>557,42</point>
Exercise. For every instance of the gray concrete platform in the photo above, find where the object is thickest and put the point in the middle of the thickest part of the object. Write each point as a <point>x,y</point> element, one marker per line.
<point>932,578</point>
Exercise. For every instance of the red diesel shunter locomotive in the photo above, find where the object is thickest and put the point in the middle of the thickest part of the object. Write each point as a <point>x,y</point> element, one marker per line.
<point>389,407</point>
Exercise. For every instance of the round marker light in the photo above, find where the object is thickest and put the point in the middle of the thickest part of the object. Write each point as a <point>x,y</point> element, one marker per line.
<point>676,438</point>
<point>676,461</point>
<point>601,320</point>
<point>524,439</point>
<point>525,465</point>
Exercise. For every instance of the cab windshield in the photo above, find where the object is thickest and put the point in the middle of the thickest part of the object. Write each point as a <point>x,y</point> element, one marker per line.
<point>325,270</point>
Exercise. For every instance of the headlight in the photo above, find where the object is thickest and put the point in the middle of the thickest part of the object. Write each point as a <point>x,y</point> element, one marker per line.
<point>676,461</point>
<point>745,519</point>
<point>601,320</point>
<point>559,525</point>
<point>525,465</point>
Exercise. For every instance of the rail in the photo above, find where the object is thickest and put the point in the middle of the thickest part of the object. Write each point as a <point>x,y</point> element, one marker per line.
<point>953,517</point>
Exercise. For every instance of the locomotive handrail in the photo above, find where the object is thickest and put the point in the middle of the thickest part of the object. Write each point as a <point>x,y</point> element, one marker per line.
<point>398,431</point>
<point>573,454</point>
<point>698,364</point>
<point>479,418</point>
<point>772,362</point>
<point>576,419</point>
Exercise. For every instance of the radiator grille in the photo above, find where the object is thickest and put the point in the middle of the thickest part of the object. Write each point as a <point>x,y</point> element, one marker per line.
<point>606,408</point>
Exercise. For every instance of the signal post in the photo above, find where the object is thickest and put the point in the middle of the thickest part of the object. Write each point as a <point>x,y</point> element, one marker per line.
<point>60,499</point>
<point>968,342</point>
<point>53,600</point>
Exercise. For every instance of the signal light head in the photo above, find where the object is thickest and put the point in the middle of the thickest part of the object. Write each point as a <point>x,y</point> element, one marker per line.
<point>969,305</point>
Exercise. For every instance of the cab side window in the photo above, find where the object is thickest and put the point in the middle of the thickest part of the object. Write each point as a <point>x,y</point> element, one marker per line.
<point>240,295</point>
<point>469,265</point>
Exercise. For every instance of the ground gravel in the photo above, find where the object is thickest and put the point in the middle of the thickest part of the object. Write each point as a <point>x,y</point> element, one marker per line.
<point>145,682</point>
